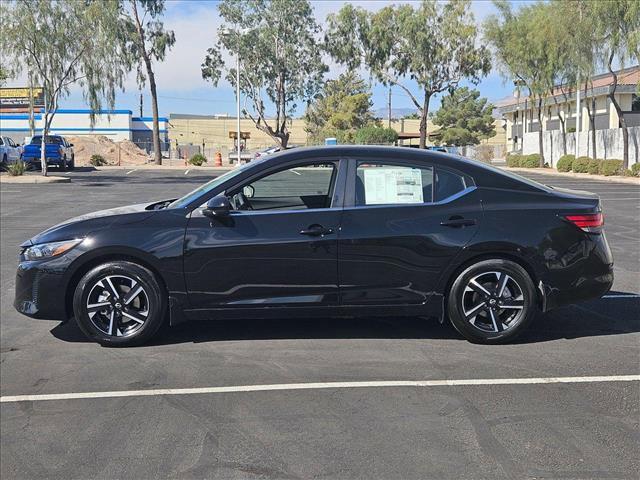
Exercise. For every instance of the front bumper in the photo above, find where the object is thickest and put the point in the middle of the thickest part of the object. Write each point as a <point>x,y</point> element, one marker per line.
<point>41,290</point>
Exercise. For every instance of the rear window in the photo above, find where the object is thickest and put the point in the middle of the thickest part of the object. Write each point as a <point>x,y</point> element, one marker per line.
<point>38,139</point>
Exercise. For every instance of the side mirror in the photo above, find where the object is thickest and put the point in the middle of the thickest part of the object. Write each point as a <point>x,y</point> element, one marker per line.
<point>218,206</point>
<point>71,144</point>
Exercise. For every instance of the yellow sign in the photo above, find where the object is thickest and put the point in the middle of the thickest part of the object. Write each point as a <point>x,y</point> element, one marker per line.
<point>18,97</point>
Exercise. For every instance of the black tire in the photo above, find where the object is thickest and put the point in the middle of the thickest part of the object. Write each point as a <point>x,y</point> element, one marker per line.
<point>72,165</point>
<point>124,331</point>
<point>480,313</point>
<point>63,165</point>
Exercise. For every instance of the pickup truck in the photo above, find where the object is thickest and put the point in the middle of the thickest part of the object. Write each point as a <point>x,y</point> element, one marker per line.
<point>58,152</point>
<point>9,151</point>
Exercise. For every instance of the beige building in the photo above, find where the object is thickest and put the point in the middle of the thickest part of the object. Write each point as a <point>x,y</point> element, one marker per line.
<point>212,132</point>
<point>521,116</point>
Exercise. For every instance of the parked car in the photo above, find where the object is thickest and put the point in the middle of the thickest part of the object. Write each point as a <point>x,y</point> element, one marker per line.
<point>9,151</point>
<point>58,152</point>
<point>323,231</point>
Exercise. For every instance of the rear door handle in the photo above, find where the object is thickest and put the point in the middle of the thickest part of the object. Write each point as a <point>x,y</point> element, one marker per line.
<point>316,231</point>
<point>459,222</point>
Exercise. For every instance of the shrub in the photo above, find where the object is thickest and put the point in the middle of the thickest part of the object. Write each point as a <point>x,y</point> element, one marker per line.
<point>16,169</point>
<point>513,160</point>
<point>198,159</point>
<point>97,160</point>
<point>530,161</point>
<point>611,167</point>
<point>375,136</point>
<point>565,163</point>
<point>581,164</point>
<point>628,173</point>
<point>635,168</point>
<point>594,166</point>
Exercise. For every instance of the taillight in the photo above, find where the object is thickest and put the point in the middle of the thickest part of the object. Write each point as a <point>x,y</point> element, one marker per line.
<point>589,222</point>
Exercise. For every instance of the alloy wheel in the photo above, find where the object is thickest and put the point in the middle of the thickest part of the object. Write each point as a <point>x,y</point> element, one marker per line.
<point>118,305</point>
<point>493,302</point>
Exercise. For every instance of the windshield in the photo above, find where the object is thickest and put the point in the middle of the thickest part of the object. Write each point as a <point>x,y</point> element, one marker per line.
<point>38,139</point>
<point>207,187</point>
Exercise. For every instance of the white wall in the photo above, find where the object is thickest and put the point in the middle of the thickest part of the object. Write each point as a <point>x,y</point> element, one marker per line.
<point>608,144</point>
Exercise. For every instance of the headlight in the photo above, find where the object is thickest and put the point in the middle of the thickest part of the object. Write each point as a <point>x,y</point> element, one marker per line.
<point>48,250</point>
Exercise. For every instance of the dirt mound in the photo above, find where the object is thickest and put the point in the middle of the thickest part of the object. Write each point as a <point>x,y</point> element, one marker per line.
<point>124,152</point>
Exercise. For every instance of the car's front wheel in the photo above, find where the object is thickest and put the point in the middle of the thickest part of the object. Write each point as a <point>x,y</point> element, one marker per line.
<point>492,301</point>
<point>119,304</point>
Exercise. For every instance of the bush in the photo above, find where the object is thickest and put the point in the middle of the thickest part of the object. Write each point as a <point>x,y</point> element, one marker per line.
<point>594,166</point>
<point>565,163</point>
<point>635,168</point>
<point>375,136</point>
<point>16,169</point>
<point>581,164</point>
<point>513,160</point>
<point>198,159</point>
<point>628,173</point>
<point>530,161</point>
<point>97,160</point>
<point>611,167</point>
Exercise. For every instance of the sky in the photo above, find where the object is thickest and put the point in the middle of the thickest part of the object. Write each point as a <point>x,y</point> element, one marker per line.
<point>181,88</point>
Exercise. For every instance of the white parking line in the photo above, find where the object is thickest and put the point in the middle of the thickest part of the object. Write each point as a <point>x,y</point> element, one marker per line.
<point>130,171</point>
<point>186,172</point>
<point>318,386</point>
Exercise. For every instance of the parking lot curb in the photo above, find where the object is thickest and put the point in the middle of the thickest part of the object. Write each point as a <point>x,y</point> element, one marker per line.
<point>164,167</point>
<point>33,179</point>
<point>586,176</point>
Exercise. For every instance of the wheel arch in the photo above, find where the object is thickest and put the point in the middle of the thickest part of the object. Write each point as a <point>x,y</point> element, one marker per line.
<point>101,257</point>
<point>525,263</point>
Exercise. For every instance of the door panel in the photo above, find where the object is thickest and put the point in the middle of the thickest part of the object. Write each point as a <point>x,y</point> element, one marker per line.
<point>252,259</point>
<point>394,254</point>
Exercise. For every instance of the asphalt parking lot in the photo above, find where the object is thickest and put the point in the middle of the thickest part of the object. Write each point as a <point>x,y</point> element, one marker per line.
<point>405,431</point>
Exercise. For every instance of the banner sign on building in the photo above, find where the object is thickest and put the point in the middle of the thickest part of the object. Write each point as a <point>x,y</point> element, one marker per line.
<point>16,99</point>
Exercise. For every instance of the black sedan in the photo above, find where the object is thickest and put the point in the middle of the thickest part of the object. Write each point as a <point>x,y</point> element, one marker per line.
<point>330,231</point>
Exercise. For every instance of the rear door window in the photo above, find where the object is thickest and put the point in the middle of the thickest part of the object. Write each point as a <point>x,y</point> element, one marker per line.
<point>380,183</point>
<point>450,183</point>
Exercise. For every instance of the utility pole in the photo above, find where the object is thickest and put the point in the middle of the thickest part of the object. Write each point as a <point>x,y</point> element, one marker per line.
<point>140,104</point>
<point>389,107</point>
<point>238,103</point>
<point>32,122</point>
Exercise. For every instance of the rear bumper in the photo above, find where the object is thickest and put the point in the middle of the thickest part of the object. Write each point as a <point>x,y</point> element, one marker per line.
<point>40,291</point>
<point>36,161</point>
<point>586,274</point>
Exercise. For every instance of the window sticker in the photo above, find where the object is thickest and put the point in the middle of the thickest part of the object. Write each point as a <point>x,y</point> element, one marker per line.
<point>392,185</point>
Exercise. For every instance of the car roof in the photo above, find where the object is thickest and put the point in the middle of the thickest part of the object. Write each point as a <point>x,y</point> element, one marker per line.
<point>484,174</point>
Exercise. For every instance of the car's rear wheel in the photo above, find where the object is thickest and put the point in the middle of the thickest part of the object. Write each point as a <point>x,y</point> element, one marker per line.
<point>119,304</point>
<point>72,165</point>
<point>492,301</point>
<point>63,164</point>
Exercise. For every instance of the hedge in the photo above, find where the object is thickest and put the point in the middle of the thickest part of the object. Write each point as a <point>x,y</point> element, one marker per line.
<point>530,161</point>
<point>565,163</point>
<point>611,167</point>
<point>635,168</point>
<point>594,166</point>
<point>581,165</point>
<point>513,160</point>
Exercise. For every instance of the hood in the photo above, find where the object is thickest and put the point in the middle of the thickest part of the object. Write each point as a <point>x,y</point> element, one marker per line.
<point>82,225</point>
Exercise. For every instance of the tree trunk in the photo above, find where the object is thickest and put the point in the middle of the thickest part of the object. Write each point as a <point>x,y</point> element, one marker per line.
<point>540,138</point>
<point>623,122</point>
<point>157,150</point>
<point>43,144</point>
<point>423,120</point>
<point>563,132</point>
<point>592,119</point>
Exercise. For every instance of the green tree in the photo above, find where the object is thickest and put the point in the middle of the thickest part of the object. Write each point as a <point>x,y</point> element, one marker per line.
<point>342,107</point>
<point>148,42</point>
<point>279,54</point>
<point>433,45</point>
<point>464,118</point>
<point>616,26</point>
<point>521,46</point>
<point>66,43</point>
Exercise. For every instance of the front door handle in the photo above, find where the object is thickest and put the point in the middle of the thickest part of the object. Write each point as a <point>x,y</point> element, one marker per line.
<point>316,231</point>
<point>457,222</point>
